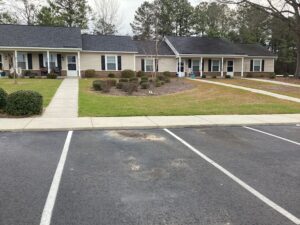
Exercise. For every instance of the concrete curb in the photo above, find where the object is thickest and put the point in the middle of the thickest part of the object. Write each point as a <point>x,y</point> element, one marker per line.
<point>150,122</point>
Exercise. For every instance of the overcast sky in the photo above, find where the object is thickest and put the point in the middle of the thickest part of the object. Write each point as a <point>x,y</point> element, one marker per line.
<point>127,10</point>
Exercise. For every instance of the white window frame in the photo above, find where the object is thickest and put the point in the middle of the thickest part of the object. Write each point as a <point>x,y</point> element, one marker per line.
<point>26,59</point>
<point>106,62</point>
<point>260,65</point>
<point>53,56</point>
<point>146,64</point>
<point>196,64</point>
<point>212,65</point>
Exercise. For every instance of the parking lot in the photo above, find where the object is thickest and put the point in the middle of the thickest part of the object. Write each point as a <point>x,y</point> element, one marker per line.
<point>208,175</point>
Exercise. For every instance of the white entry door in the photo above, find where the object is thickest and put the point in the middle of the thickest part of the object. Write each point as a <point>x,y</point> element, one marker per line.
<point>72,66</point>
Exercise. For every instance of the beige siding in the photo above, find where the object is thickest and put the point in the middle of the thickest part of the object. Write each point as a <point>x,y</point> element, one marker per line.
<point>164,64</point>
<point>269,65</point>
<point>93,61</point>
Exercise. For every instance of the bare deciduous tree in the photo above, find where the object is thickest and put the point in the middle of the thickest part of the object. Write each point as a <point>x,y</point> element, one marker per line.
<point>106,16</point>
<point>288,11</point>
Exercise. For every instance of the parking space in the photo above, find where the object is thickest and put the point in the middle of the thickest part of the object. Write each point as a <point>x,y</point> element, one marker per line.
<point>150,177</point>
<point>27,162</point>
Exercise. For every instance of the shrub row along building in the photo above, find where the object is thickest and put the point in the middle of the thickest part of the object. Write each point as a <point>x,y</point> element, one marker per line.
<point>66,51</point>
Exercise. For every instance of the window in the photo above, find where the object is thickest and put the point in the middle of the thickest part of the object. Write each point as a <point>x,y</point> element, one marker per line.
<point>149,65</point>
<point>22,60</point>
<point>1,64</point>
<point>257,65</point>
<point>215,66</point>
<point>196,65</point>
<point>111,63</point>
<point>53,60</point>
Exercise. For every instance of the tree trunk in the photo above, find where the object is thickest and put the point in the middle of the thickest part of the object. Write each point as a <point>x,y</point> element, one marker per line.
<point>297,73</point>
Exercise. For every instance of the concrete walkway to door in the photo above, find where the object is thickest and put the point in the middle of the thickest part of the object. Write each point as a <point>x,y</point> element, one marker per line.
<point>65,102</point>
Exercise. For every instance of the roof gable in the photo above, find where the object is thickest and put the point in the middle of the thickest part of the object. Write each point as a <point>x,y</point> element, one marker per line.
<point>108,43</point>
<point>255,50</point>
<point>149,48</point>
<point>40,36</point>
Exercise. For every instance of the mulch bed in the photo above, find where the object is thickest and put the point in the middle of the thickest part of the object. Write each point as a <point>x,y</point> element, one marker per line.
<point>176,85</point>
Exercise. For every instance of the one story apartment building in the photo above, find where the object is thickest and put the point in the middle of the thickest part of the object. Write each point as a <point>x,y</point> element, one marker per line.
<point>42,49</point>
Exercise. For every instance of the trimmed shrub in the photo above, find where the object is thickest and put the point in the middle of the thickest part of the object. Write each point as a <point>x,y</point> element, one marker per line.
<point>112,82</point>
<point>89,73</point>
<point>3,99</point>
<point>144,79</point>
<point>27,73</point>
<point>97,85</point>
<point>51,76</point>
<point>167,74</point>
<point>111,75</point>
<point>272,76</point>
<point>213,77</point>
<point>11,76</point>
<point>140,74</point>
<point>120,85</point>
<point>145,85</point>
<point>167,80</point>
<point>105,86</point>
<point>127,74</point>
<point>161,77</point>
<point>158,83</point>
<point>249,75</point>
<point>134,79</point>
<point>227,77</point>
<point>24,103</point>
<point>32,75</point>
<point>130,87</point>
<point>123,80</point>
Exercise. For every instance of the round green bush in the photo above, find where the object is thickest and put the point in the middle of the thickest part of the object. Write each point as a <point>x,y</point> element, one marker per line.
<point>89,73</point>
<point>167,74</point>
<point>3,98</point>
<point>127,74</point>
<point>52,76</point>
<point>145,85</point>
<point>134,79</point>
<point>144,79</point>
<point>123,80</point>
<point>111,75</point>
<point>112,82</point>
<point>97,85</point>
<point>24,103</point>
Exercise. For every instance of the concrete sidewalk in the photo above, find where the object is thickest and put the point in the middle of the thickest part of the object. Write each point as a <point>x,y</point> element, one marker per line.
<point>273,82</point>
<point>89,123</point>
<point>65,101</point>
<point>257,91</point>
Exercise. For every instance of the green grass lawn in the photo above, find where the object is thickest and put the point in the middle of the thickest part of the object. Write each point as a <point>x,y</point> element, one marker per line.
<point>275,88</point>
<point>204,99</point>
<point>45,87</point>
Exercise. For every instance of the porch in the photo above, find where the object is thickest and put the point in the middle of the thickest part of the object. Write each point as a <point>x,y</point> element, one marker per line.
<point>40,62</point>
<point>211,66</point>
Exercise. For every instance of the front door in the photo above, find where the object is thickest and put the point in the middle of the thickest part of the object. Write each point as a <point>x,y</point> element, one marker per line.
<point>72,66</point>
<point>230,67</point>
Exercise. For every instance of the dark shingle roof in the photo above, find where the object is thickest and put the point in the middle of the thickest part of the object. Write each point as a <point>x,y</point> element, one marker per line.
<point>39,36</point>
<point>255,50</point>
<point>108,43</point>
<point>149,48</point>
<point>204,45</point>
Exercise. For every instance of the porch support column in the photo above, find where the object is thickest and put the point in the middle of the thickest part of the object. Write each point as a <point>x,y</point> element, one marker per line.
<point>16,61</point>
<point>79,66</point>
<point>179,67</point>
<point>222,67</point>
<point>201,64</point>
<point>242,73</point>
<point>48,61</point>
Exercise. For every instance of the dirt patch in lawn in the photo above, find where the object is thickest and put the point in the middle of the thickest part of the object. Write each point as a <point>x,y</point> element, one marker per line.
<point>175,86</point>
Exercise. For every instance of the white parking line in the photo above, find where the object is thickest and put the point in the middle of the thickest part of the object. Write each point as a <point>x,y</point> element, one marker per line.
<point>272,135</point>
<point>48,208</point>
<point>260,196</point>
